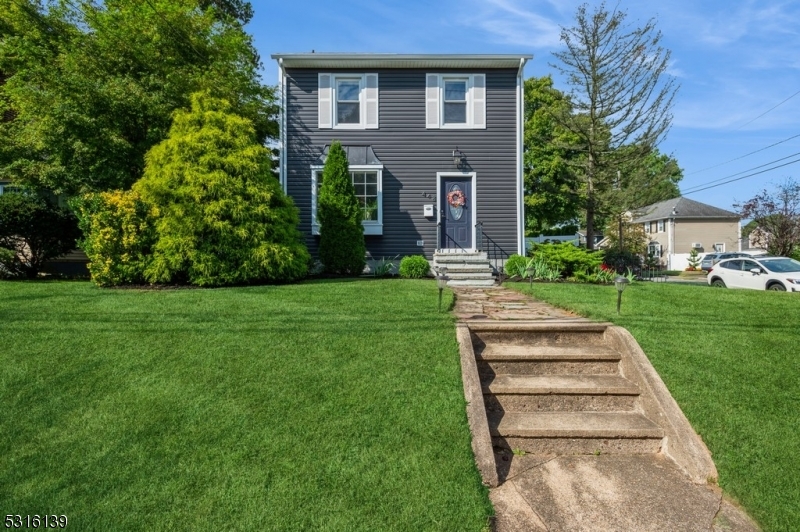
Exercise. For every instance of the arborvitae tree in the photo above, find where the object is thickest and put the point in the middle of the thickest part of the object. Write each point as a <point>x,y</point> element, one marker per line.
<point>220,216</point>
<point>341,235</point>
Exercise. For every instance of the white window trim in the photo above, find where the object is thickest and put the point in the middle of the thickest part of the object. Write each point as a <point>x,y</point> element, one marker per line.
<point>661,226</point>
<point>656,247</point>
<point>371,227</point>
<point>719,247</point>
<point>364,101</point>
<point>471,102</point>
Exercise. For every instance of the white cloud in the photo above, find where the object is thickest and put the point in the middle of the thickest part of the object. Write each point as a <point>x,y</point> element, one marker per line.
<point>508,22</point>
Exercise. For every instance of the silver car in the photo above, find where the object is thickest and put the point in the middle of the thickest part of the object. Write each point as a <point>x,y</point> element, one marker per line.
<point>710,259</point>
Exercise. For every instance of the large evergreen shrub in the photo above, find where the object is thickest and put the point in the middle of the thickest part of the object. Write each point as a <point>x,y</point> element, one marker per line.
<point>341,235</point>
<point>220,217</point>
<point>35,230</point>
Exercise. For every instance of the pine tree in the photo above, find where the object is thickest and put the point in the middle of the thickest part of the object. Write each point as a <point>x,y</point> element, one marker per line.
<point>341,239</point>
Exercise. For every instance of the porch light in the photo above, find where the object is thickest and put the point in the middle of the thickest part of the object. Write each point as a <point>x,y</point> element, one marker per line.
<point>441,282</point>
<point>620,283</point>
<point>458,157</point>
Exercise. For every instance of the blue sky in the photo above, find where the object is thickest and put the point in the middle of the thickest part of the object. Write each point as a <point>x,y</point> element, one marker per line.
<point>735,60</point>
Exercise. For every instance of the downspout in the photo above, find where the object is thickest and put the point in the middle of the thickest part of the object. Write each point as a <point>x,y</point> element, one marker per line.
<point>670,242</point>
<point>520,177</point>
<point>282,127</point>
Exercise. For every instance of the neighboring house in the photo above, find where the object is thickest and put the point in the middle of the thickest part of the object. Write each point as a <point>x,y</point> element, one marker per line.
<point>417,129</point>
<point>674,227</point>
<point>758,239</point>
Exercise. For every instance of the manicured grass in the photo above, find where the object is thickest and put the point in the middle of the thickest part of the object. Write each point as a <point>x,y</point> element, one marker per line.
<point>732,361</point>
<point>331,405</point>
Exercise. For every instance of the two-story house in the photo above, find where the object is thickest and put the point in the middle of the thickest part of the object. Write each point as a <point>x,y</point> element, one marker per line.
<point>434,144</point>
<point>674,227</point>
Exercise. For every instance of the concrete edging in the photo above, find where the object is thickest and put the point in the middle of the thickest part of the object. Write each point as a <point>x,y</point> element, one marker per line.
<point>681,444</point>
<point>476,412</point>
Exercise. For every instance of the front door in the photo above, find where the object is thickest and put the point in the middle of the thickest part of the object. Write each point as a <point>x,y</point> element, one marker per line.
<point>455,199</point>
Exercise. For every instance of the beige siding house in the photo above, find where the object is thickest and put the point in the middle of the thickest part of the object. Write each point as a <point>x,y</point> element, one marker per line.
<point>674,227</point>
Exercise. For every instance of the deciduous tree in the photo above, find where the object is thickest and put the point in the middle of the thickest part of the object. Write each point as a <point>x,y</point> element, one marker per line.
<point>92,86</point>
<point>777,215</point>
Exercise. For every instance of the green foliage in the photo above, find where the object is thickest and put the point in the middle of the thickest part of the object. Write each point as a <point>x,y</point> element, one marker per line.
<point>384,267</point>
<point>568,258</point>
<point>634,239</point>
<point>541,270</point>
<point>414,267</point>
<point>515,265</point>
<point>552,190</point>
<point>694,259</point>
<point>341,234</point>
<point>91,86</point>
<point>35,230</point>
<point>118,236</point>
<point>6,260</point>
<point>620,261</point>
<point>220,217</point>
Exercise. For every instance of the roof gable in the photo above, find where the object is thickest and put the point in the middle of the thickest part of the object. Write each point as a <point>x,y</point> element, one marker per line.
<point>678,208</point>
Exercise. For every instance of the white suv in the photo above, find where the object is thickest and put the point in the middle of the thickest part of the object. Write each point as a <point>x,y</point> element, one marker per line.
<point>762,273</point>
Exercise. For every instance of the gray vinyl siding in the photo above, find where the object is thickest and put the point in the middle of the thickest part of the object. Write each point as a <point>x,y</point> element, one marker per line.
<point>412,155</point>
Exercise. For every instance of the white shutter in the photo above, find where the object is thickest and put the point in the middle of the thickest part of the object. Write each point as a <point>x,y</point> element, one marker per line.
<point>479,101</point>
<point>432,101</point>
<point>371,101</point>
<point>325,103</point>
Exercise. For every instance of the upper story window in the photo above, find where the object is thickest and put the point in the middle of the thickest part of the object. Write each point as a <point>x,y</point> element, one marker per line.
<point>348,101</point>
<point>661,226</point>
<point>455,101</point>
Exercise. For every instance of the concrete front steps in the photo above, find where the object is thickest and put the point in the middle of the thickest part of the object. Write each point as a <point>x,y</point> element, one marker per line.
<point>465,268</point>
<point>570,387</point>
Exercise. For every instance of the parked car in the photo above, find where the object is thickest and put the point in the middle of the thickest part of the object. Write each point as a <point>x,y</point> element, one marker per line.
<point>710,259</point>
<point>763,273</point>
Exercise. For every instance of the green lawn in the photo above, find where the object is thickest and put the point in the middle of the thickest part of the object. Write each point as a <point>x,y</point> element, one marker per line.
<point>732,361</point>
<point>318,406</point>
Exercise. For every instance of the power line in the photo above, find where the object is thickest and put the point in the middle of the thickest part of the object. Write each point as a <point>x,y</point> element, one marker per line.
<point>744,176</point>
<point>743,156</point>
<point>768,110</point>
<point>743,171</point>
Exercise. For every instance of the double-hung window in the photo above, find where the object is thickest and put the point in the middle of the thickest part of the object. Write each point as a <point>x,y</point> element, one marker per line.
<point>661,226</point>
<point>348,101</point>
<point>654,250</point>
<point>455,101</point>
<point>367,182</point>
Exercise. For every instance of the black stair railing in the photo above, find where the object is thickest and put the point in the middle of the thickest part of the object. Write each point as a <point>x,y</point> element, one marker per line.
<point>494,252</point>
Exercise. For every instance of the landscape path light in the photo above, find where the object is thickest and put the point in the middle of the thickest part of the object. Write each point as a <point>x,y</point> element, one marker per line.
<point>620,283</point>
<point>441,282</point>
<point>529,271</point>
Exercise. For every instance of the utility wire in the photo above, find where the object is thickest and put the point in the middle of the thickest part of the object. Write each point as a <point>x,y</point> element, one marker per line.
<point>770,109</point>
<point>745,155</point>
<point>744,176</point>
<point>743,171</point>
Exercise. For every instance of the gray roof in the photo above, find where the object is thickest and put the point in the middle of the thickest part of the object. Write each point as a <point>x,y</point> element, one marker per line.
<point>356,155</point>
<point>346,60</point>
<point>682,208</point>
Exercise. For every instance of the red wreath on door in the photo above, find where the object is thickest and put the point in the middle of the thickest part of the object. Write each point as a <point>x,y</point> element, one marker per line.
<point>457,198</point>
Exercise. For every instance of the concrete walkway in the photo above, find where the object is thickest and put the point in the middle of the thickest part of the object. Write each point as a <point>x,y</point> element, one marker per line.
<point>637,492</point>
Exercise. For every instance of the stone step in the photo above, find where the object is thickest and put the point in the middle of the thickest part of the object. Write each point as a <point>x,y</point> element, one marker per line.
<point>575,432</point>
<point>560,403</point>
<point>559,385</point>
<point>471,282</point>
<point>454,276</point>
<point>499,359</point>
<point>459,268</point>
<point>534,337</point>
<point>458,253</point>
